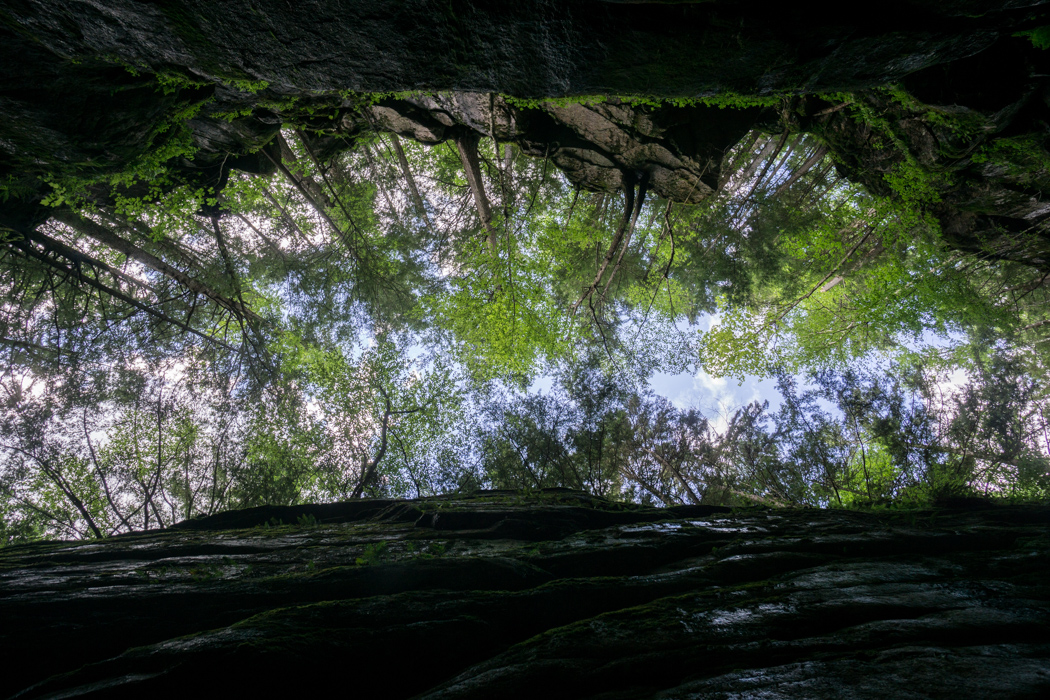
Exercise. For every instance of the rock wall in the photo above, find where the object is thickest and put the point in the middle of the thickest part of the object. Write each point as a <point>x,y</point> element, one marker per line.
<point>554,594</point>
<point>94,88</point>
<point>597,145</point>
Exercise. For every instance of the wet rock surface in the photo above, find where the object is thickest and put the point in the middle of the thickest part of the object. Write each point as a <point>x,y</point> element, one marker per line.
<point>553,594</point>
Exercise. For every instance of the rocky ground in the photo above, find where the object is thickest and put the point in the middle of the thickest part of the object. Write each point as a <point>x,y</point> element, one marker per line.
<point>553,594</point>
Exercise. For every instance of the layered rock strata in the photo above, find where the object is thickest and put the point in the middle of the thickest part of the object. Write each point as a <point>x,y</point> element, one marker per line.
<point>553,594</point>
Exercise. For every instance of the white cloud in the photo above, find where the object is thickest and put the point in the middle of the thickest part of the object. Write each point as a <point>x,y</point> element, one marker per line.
<point>716,397</point>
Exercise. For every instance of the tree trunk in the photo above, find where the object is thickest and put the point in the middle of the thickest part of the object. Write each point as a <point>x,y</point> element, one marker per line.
<point>468,154</point>
<point>410,180</point>
<point>802,170</point>
<point>106,237</point>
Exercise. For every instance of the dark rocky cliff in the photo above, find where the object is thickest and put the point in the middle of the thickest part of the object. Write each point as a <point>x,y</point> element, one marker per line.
<point>92,89</point>
<point>553,594</point>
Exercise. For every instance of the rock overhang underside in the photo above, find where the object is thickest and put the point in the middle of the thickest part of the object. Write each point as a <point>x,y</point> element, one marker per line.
<point>951,92</point>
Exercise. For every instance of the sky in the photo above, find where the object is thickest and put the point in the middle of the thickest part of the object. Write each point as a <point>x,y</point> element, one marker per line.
<point>716,398</point>
<point>714,395</point>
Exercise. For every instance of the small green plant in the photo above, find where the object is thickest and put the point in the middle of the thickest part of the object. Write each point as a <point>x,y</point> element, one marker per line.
<point>252,86</point>
<point>527,103</point>
<point>205,573</point>
<point>916,185</point>
<point>233,115</point>
<point>722,101</point>
<point>730,100</point>
<point>372,553</point>
<point>1023,158</point>
<point>135,70</point>
<point>371,98</point>
<point>15,187</point>
<point>171,82</point>
<point>1040,36</point>
<point>307,520</point>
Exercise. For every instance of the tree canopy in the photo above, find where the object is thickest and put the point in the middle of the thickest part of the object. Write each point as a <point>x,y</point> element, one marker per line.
<point>361,309</point>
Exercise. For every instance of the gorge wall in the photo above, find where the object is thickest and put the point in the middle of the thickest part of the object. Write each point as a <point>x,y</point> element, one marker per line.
<point>95,89</point>
<point>554,594</point>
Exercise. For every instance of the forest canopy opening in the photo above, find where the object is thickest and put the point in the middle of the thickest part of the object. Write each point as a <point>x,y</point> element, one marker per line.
<point>359,306</point>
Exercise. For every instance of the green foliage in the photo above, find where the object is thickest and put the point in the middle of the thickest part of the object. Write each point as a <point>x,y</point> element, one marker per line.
<point>15,187</point>
<point>959,122</point>
<point>171,82</point>
<point>506,327</point>
<point>1040,36</point>
<point>530,103</point>
<point>361,100</point>
<point>732,100</point>
<point>863,275</point>
<point>392,333</point>
<point>249,86</point>
<point>373,554</point>
<point>169,139</point>
<point>915,185</point>
<point>724,100</point>
<point>738,345</point>
<point>1023,158</point>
